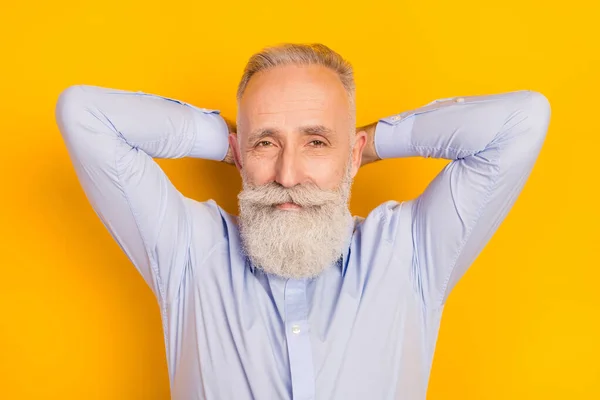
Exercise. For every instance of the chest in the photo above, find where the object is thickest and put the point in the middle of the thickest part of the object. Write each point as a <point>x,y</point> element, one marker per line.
<point>302,339</point>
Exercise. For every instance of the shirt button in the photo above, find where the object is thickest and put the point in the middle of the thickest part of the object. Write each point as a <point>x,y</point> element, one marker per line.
<point>295,329</point>
<point>459,100</point>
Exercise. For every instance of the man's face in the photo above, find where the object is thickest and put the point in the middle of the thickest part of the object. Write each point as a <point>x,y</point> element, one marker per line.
<point>297,153</point>
<point>294,127</point>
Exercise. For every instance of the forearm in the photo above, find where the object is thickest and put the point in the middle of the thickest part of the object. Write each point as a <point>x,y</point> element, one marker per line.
<point>159,126</point>
<point>457,127</point>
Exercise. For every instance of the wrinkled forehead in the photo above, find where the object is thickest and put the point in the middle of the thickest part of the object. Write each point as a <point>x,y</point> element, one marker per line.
<point>288,98</point>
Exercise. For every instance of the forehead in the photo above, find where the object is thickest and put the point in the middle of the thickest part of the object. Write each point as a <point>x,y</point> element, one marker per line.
<point>288,97</point>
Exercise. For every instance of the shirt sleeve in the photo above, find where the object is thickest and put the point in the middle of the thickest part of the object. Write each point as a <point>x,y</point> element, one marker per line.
<point>493,142</point>
<point>112,137</point>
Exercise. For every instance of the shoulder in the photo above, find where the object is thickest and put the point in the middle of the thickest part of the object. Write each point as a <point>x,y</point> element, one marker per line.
<point>209,219</point>
<point>387,221</point>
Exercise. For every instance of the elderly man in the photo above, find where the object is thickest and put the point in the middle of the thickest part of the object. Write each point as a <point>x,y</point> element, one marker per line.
<point>295,298</point>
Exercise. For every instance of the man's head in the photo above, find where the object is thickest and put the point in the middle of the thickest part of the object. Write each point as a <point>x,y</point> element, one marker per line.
<point>297,150</point>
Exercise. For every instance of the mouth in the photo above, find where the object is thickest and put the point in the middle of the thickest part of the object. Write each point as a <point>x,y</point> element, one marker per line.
<point>288,206</point>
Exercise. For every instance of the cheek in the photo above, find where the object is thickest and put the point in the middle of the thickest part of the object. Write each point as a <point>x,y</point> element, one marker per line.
<point>258,170</point>
<point>326,172</point>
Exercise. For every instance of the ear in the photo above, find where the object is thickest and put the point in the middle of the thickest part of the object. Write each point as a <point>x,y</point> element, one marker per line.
<point>235,150</point>
<point>360,142</point>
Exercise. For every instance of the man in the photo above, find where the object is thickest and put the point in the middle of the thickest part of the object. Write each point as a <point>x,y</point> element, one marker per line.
<point>295,298</point>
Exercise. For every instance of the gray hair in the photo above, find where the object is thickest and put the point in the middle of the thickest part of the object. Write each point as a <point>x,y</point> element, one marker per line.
<point>301,54</point>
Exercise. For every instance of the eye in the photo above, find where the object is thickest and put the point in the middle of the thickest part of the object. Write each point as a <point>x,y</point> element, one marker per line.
<point>263,143</point>
<point>317,143</point>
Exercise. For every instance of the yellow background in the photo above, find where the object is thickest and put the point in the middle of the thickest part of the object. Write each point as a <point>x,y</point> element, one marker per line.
<point>79,323</point>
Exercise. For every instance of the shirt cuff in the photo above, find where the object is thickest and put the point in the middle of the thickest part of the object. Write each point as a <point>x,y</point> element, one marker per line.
<point>211,140</point>
<point>393,137</point>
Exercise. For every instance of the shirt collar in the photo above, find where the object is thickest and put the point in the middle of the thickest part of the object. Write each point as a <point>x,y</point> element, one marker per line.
<point>343,260</point>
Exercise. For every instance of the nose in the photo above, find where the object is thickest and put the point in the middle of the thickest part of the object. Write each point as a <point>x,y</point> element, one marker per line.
<point>288,168</point>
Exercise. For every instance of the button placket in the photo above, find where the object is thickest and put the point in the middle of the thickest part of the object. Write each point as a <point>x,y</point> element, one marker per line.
<point>298,340</point>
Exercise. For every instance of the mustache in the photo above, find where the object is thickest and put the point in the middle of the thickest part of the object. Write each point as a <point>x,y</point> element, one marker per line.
<point>271,194</point>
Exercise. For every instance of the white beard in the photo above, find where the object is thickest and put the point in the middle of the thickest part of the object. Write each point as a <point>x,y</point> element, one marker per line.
<point>298,243</point>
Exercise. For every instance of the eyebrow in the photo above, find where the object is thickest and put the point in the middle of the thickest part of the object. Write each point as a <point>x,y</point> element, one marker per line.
<point>260,133</point>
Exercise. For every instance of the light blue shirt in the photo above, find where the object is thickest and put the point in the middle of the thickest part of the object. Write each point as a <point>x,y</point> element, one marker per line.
<point>366,328</point>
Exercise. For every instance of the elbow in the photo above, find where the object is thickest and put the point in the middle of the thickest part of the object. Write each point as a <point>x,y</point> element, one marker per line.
<point>70,108</point>
<point>539,113</point>
<point>74,116</point>
<point>524,138</point>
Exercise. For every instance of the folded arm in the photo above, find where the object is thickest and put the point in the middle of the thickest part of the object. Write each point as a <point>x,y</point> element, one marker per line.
<point>112,136</point>
<point>493,142</point>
